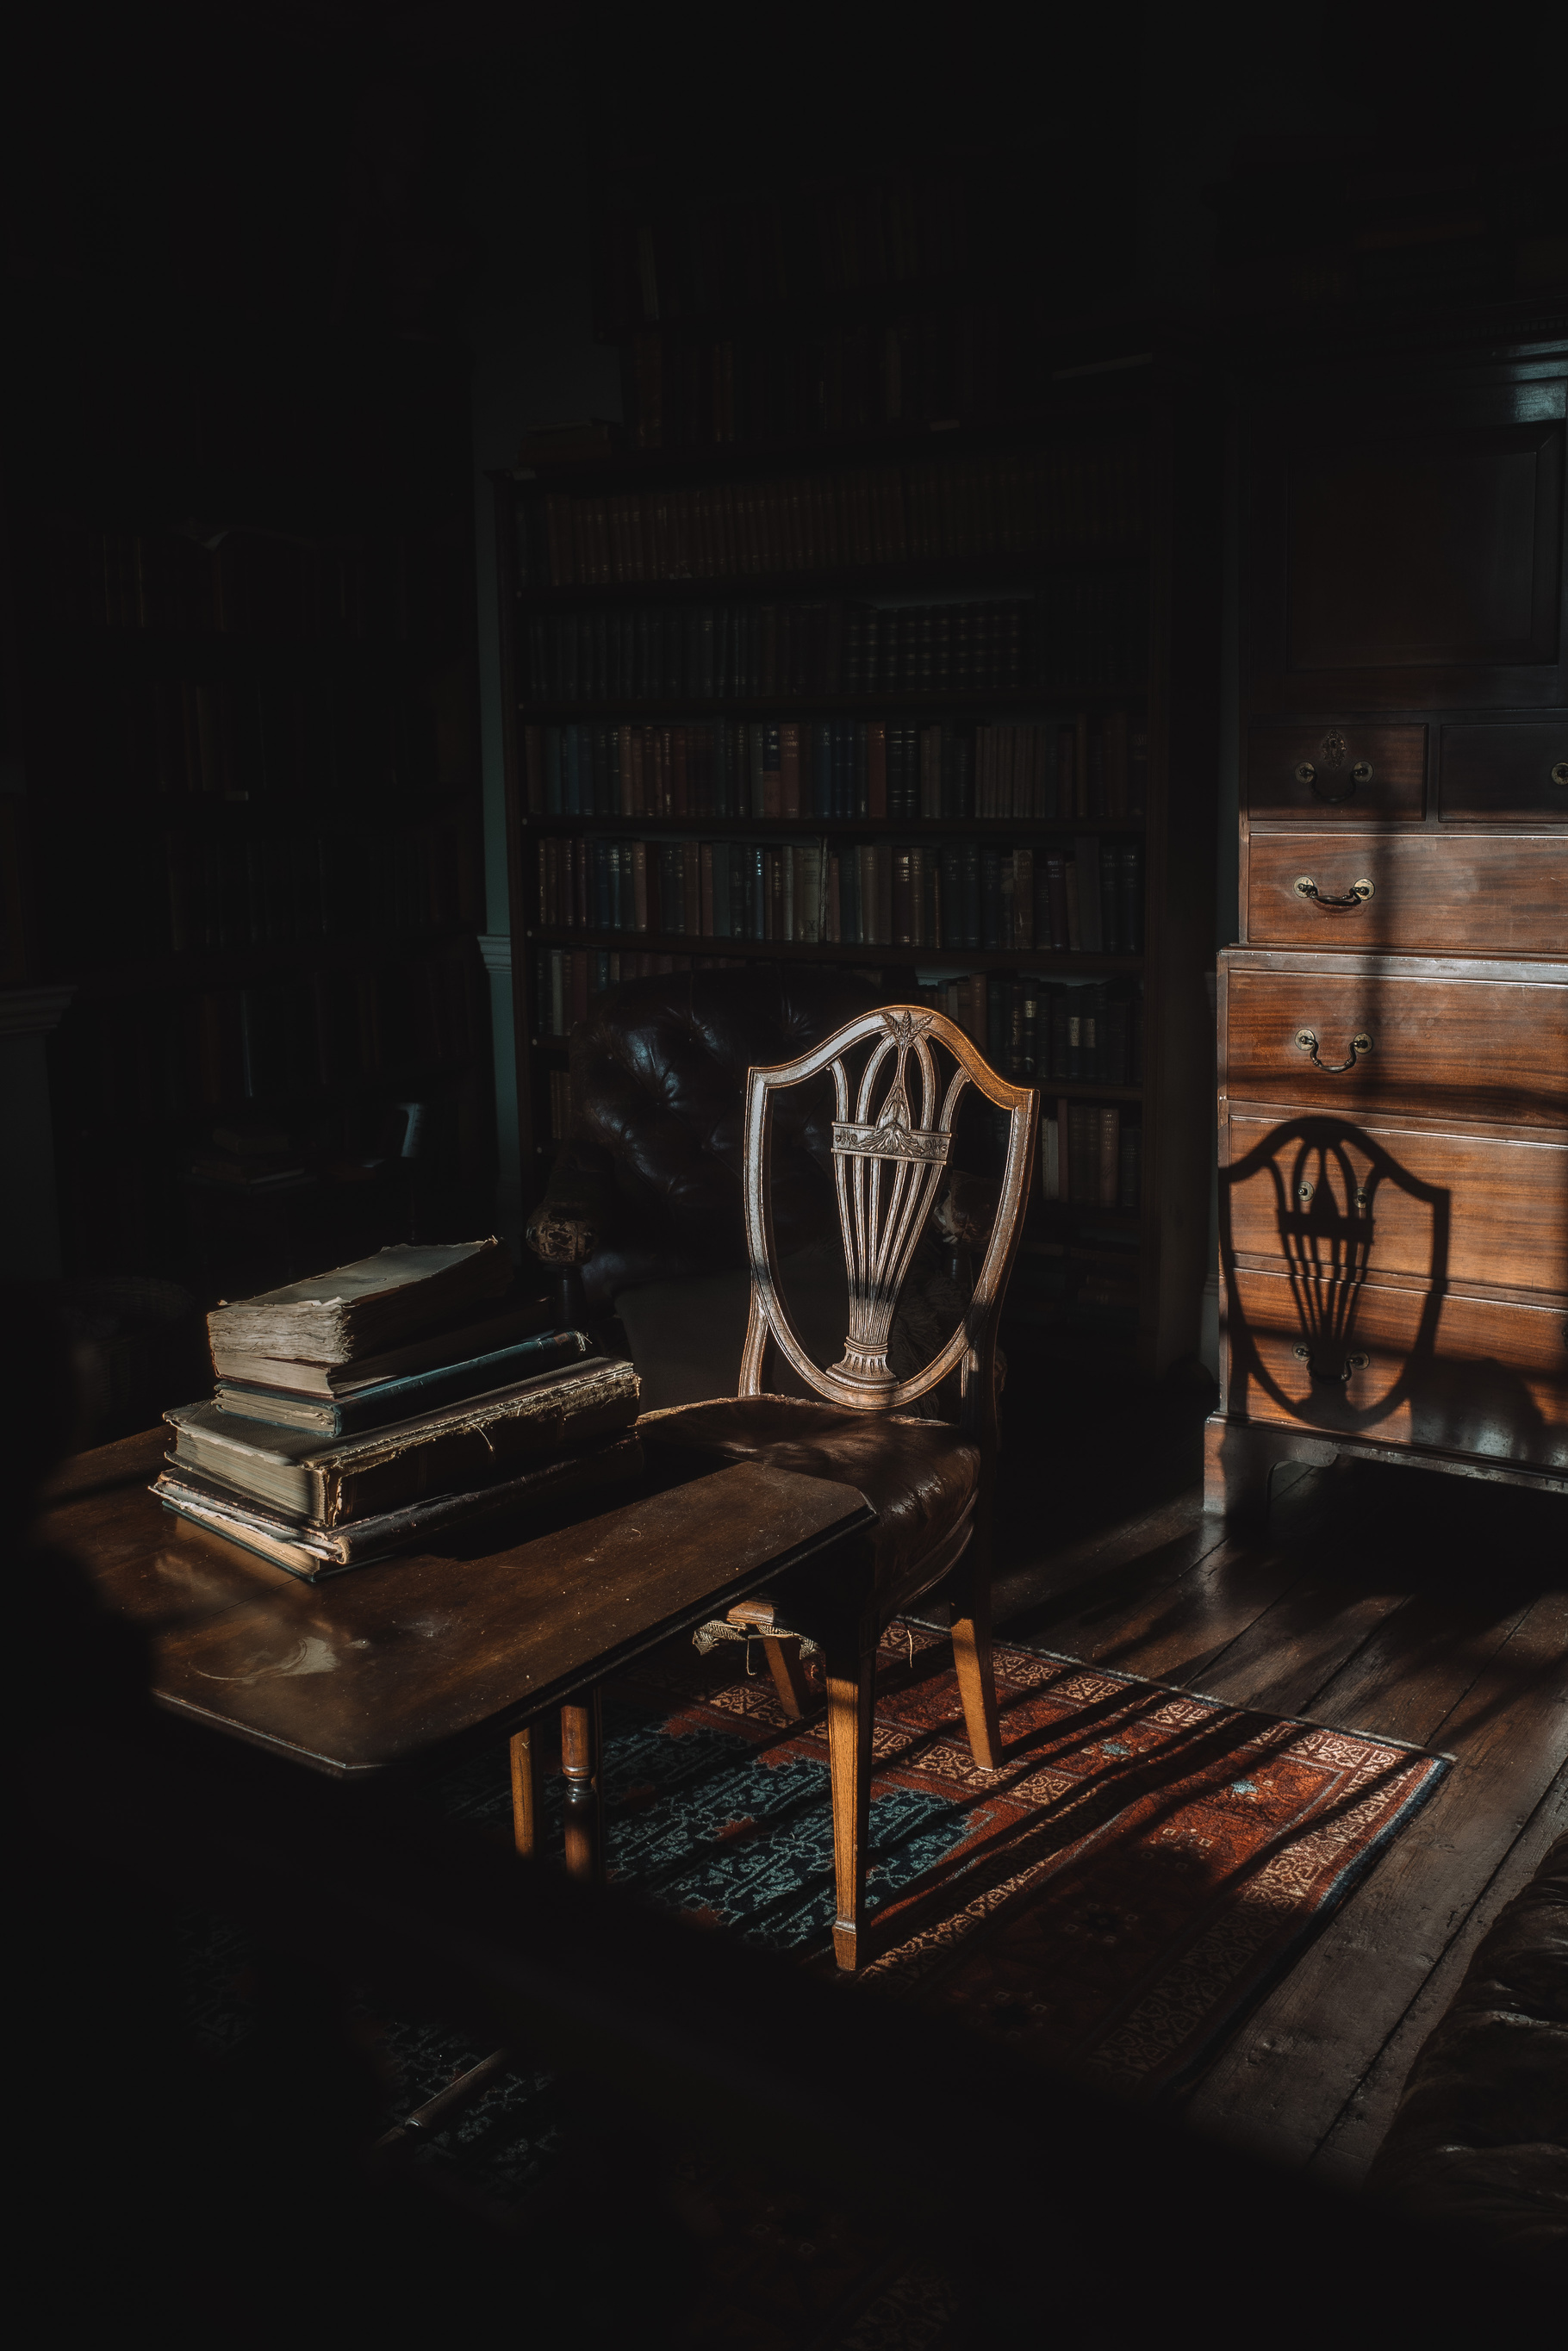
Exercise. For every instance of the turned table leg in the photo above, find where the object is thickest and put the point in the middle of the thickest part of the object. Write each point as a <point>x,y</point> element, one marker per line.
<point>525,1790</point>
<point>581,1742</point>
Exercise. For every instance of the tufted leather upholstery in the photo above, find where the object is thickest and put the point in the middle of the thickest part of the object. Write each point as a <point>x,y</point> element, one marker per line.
<point>651,1166</point>
<point>1479,2142</point>
<point>920,1477</point>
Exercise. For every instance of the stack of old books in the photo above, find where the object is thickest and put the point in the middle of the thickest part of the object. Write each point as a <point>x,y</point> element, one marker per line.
<point>373,1406</point>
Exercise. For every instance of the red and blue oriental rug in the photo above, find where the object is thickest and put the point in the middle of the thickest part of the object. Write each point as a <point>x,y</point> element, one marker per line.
<point>1145,1862</point>
<point>1111,1900</point>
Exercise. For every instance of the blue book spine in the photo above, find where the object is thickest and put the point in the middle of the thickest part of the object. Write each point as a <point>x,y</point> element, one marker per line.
<point>422,1392</point>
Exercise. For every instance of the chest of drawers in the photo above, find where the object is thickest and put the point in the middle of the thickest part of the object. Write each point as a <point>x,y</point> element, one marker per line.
<point>1393,1045</point>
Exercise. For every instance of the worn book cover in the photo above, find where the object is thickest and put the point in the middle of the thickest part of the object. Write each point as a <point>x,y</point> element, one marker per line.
<point>316,1551</point>
<point>325,1484</point>
<point>406,1398</point>
<point>355,1309</point>
<point>497,1324</point>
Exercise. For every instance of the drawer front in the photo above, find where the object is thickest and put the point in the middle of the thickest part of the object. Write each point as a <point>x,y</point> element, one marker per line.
<point>1359,769</point>
<point>1430,894</point>
<point>1403,1366</point>
<point>1390,1201</point>
<point>1488,1049</point>
<point>1488,775</point>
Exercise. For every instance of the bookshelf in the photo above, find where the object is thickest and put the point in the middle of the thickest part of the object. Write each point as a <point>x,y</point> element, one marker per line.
<point>931,696</point>
<point>252,845</point>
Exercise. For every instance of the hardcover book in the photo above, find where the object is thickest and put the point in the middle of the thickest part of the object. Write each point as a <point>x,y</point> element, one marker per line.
<point>313,1553</point>
<point>459,1340</point>
<point>382,1402</point>
<point>311,1482</point>
<point>359,1310</point>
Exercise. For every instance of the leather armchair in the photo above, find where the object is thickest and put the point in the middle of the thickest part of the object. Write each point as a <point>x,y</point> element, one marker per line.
<point>1479,2146</point>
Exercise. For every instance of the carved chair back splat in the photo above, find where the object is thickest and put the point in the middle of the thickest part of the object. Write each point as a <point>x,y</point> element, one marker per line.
<point>889,1159</point>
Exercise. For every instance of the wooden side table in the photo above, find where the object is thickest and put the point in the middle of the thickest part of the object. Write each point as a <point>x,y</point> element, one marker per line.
<point>395,1667</point>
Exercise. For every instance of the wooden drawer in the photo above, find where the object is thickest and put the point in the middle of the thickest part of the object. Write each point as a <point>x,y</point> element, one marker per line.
<point>1459,1374</point>
<point>1431,894</point>
<point>1475,1210</point>
<point>1442,1046</point>
<point>1358,770</point>
<point>1491,775</point>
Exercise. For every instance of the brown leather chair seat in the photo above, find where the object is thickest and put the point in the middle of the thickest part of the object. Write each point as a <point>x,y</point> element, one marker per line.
<point>920,1477</point>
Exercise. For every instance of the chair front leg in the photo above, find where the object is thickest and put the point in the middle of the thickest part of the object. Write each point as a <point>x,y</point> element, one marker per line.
<point>851,1686</point>
<point>972,1652</point>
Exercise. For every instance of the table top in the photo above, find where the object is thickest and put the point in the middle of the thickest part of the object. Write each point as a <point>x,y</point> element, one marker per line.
<point>390,1662</point>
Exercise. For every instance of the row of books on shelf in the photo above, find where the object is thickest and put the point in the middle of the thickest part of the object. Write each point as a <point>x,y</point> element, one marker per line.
<point>330,735</point>
<point>299,1038</point>
<point>1088,634</point>
<point>1075,1033</point>
<point>680,260</point>
<point>252,583</point>
<point>269,888</point>
<point>901,770</point>
<point>1088,1279</point>
<point>1088,1156</point>
<point>1066,500</point>
<point>962,893</point>
<point>250,1156</point>
<point>1091,1156</point>
<point>933,368</point>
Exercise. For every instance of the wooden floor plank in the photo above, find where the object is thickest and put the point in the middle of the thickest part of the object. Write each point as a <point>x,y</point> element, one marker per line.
<point>1112,1564</point>
<point>1175,1632</point>
<point>1408,1677</point>
<point>1286,1654</point>
<point>1362,2123</point>
<point>1284,2082</point>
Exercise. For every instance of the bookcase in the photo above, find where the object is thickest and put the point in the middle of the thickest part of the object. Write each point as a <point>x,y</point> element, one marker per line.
<point>251,850</point>
<point>882,634</point>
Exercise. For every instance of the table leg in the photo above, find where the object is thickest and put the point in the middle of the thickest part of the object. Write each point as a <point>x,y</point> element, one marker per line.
<point>581,1741</point>
<point>526,1816</point>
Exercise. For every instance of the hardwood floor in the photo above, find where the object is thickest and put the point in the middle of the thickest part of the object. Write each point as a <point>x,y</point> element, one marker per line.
<point>1400,1603</point>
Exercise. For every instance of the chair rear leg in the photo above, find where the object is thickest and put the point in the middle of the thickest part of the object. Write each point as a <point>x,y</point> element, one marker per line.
<point>972,1659</point>
<point>852,1683</point>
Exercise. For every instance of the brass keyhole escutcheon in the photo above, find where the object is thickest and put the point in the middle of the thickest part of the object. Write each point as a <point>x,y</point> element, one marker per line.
<point>1327,777</point>
<point>1559,772</point>
<point>1303,1191</point>
<point>1357,1363</point>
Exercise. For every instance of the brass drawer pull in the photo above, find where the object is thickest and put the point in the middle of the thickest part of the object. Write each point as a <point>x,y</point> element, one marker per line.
<point>1324,783</point>
<point>1559,772</point>
<point>1356,895</point>
<point>1327,1379</point>
<point>1307,1038</point>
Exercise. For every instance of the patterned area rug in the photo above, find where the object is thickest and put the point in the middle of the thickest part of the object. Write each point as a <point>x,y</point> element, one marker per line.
<point>1113,1899</point>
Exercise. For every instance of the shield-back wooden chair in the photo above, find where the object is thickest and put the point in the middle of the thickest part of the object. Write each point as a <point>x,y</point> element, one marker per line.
<point>929,1481</point>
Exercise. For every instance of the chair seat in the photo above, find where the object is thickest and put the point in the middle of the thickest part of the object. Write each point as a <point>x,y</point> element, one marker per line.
<point>920,1477</point>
